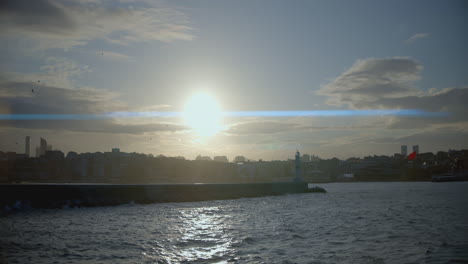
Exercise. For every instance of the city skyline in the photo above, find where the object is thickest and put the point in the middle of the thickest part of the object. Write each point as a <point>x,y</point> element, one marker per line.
<point>120,167</point>
<point>43,146</point>
<point>202,59</point>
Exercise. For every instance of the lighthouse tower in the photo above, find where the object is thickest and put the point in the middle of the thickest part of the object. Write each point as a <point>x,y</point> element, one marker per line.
<point>298,177</point>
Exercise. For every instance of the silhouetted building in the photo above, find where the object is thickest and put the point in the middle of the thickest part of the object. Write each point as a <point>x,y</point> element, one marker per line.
<point>404,150</point>
<point>221,158</point>
<point>27,146</point>
<point>305,158</point>
<point>54,155</point>
<point>298,177</point>
<point>314,158</point>
<point>199,157</point>
<point>72,155</point>
<point>239,159</point>
<point>42,147</point>
<point>416,149</point>
<point>11,155</point>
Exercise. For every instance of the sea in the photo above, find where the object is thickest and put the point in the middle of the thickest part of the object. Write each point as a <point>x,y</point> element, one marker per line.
<point>397,222</point>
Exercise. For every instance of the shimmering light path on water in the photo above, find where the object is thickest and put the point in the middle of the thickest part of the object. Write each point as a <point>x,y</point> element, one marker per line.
<point>352,223</point>
<point>378,112</point>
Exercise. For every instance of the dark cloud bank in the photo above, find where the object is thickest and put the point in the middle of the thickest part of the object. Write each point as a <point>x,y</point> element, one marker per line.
<point>50,24</point>
<point>39,15</point>
<point>31,98</point>
<point>389,84</point>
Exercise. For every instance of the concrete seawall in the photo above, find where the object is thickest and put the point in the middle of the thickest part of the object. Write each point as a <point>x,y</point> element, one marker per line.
<point>58,195</point>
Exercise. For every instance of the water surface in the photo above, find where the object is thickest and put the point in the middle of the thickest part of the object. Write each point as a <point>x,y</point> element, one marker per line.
<point>406,222</point>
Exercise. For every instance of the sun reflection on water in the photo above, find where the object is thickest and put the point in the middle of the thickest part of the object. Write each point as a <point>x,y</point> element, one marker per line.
<point>203,235</point>
<point>198,235</point>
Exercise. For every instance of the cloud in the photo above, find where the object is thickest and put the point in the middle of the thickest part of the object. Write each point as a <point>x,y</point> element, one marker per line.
<point>115,56</point>
<point>261,128</point>
<point>92,126</point>
<point>416,37</point>
<point>48,24</point>
<point>453,101</point>
<point>42,15</point>
<point>387,84</point>
<point>277,128</point>
<point>55,72</point>
<point>21,97</point>
<point>438,139</point>
<point>34,98</point>
<point>370,79</point>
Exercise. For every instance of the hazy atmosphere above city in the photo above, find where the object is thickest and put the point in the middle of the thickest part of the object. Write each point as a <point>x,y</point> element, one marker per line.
<point>253,78</point>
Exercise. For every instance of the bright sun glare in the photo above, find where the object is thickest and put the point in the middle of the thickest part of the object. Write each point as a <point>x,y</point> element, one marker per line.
<point>203,113</point>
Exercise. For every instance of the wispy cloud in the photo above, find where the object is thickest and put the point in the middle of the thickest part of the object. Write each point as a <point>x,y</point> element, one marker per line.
<point>261,127</point>
<point>55,72</point>
<point>48,24</point>
<point>416,37</point>
<point>115,56</point>
<point>370,79</point>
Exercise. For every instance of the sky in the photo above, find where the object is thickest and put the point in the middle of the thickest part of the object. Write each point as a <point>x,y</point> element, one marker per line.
<point>88,58</point>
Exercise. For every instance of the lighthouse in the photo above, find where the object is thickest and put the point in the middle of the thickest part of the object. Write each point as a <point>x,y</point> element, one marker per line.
<point>298,177</point>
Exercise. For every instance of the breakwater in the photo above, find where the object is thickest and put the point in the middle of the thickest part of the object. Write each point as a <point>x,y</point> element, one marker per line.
<point>59,195</point>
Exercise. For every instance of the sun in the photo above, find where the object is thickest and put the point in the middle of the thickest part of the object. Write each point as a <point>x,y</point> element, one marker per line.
<point>203,113</point>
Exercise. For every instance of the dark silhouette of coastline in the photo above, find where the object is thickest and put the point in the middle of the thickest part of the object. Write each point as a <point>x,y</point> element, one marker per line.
<point>133,168</point>
<point>111,178</point>
<point>76,195</point>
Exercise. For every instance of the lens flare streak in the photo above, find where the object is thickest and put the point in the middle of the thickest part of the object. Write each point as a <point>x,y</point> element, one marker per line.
<point>316,113</point>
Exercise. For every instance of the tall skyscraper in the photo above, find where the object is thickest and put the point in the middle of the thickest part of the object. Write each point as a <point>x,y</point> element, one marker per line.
<point>404,150</point>
<point>27,146</point>
<point>416,149</point>
<point>42,147</point>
